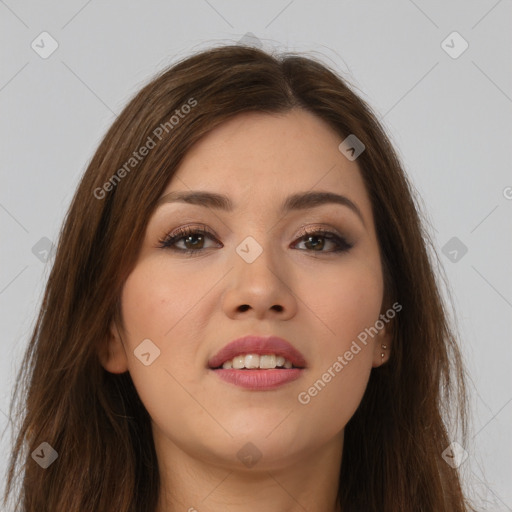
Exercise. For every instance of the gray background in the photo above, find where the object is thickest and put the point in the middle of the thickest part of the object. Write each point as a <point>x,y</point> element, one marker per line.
<point>450,119</point>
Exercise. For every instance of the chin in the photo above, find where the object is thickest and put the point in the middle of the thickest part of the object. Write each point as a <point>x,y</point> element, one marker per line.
<point>260,422</point>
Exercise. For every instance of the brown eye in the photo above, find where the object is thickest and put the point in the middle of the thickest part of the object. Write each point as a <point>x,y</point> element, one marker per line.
<point>315,241</point>
<point>193,239</point>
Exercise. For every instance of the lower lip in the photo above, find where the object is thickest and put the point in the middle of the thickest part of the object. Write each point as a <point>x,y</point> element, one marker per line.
<point>259,380</point>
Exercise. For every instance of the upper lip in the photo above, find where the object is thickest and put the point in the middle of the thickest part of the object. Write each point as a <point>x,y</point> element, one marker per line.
<point>260,345</point>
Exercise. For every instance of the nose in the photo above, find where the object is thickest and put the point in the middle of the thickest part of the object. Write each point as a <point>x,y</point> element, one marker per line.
<point>262,289</point>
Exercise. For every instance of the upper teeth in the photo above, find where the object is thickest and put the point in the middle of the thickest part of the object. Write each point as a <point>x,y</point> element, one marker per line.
<point>256,361</point>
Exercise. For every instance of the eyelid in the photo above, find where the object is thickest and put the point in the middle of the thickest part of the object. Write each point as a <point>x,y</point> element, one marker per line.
<point>187,227</point>
<point>321,228</point>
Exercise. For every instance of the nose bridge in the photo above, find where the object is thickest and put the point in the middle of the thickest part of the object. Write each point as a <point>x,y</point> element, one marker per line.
<point>258,257</point>
<point>256,233</point>
<point>260,279</point>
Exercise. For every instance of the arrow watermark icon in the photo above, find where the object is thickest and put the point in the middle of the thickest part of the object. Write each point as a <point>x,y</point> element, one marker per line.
<point>351,147</point>
<point>146,352</point>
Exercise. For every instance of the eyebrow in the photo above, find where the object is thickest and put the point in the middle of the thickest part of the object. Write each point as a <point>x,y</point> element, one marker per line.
<point>298,201</point>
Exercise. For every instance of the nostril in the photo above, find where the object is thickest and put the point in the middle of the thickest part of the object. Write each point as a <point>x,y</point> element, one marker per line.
<point>243,307</point>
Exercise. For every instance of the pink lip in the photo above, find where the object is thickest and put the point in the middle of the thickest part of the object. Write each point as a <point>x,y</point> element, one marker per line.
<point>258,345</point>
<point>258,380</point>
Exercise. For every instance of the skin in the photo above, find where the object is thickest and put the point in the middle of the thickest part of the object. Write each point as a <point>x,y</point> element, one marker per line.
<point>189,306</point>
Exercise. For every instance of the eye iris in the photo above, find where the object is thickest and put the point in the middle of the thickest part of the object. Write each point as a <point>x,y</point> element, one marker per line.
<point>316,245</point>
<point>193,236</point>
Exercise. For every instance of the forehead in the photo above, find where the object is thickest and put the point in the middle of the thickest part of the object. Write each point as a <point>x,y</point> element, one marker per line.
<point>264,157</point>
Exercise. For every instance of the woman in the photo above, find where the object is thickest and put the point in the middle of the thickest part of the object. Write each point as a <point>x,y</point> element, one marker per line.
<point>242,313</point>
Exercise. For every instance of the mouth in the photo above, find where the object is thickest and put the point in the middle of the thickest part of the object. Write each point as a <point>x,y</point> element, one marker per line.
<point>258,363</point>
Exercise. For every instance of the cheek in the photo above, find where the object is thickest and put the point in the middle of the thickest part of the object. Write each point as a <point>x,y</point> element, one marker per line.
<point>348,302</point>
<point>158,304</point>
<point>344,300</point>
<point>157,299</point>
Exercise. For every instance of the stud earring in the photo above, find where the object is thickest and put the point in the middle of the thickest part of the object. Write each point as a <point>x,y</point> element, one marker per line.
<point>384,347</point>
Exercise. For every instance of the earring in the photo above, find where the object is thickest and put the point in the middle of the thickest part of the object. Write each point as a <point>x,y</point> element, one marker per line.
<point>384,347</point>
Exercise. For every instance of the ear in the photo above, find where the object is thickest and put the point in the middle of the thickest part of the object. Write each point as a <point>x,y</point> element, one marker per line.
<point>112,354</point>
<point>382,345</point>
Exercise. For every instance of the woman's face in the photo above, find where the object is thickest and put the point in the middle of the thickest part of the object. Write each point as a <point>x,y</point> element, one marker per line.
<point>260,270</point>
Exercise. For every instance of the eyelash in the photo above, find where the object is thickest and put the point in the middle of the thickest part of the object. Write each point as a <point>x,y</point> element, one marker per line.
<point>168,241</point>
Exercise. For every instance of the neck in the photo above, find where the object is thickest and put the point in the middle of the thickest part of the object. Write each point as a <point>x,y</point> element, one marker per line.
<point>191,483</point>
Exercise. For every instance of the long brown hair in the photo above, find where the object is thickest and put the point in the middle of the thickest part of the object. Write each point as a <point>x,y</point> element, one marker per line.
<point>95,420</point>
